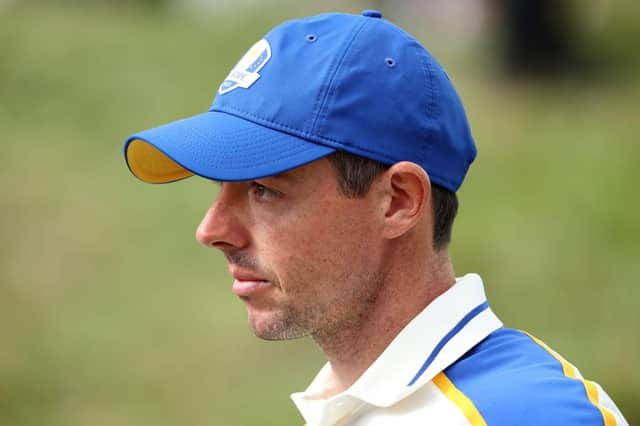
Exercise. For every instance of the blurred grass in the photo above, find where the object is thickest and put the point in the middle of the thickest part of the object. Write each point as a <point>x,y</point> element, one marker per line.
<point>111,314</point>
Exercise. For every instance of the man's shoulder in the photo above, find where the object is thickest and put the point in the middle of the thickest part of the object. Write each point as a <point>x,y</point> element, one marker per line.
<point>513,378</point>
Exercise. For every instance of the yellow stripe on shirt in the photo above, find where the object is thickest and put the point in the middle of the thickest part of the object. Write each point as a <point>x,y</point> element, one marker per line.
<point>590,387</point>
<point>454,394</point>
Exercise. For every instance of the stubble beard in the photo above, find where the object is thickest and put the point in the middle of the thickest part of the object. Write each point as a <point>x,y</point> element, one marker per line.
<point>281,328</point>
<point>327,321</point>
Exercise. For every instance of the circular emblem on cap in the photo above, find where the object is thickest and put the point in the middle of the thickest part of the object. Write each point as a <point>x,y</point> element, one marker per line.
<point>372,13</point>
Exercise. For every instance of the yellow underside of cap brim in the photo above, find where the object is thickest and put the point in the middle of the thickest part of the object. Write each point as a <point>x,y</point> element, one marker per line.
<point>151,165</point>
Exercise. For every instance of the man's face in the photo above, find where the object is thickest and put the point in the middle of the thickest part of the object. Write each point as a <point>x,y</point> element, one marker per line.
<point>305,258</point>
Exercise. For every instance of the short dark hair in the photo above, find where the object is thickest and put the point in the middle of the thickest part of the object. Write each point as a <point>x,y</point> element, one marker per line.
<point>355,175</point>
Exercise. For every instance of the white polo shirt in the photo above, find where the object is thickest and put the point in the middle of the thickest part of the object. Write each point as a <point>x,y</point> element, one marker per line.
<point>454,364</point>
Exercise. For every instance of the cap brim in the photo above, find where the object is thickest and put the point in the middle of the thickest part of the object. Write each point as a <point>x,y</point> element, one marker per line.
<point>219,146</point>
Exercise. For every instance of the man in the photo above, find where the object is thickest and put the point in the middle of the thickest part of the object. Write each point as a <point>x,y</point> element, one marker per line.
<point>339,143</point>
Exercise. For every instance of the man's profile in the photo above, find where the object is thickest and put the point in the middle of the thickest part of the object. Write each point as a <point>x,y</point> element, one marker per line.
<point>339,143</point>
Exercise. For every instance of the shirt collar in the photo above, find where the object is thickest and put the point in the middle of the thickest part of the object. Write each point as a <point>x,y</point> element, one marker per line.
<point>443,332</point>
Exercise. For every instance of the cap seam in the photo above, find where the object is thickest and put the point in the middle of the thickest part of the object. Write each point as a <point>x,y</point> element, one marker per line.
<point>323,102</point>
<point>430,84</point>
<point>431,108</point>
<point>426,70</point>
<point>429,138</point>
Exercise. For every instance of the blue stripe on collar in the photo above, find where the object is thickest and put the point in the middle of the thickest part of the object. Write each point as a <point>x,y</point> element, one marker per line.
<point>459,326</point>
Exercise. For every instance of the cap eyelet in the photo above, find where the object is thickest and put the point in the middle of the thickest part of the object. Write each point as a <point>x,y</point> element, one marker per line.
<point>311,38</point>
<point>390,62</point>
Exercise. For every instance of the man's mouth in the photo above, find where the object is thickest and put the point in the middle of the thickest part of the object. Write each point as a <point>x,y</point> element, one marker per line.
<point>249,288</point>
<point>248,284</point>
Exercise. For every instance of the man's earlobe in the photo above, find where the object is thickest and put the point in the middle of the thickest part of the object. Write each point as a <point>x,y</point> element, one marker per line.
<point>409,193</point>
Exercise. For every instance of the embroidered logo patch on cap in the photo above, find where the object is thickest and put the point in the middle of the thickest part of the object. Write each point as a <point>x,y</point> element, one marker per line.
<point>245,73</point>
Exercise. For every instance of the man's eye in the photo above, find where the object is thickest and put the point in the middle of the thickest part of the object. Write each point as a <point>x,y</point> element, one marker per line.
<point>261,192</point>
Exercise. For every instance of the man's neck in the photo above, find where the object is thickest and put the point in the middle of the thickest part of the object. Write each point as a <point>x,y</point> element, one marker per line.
<point>351,351</point>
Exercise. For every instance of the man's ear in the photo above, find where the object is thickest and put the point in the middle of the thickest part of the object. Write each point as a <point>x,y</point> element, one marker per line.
<point>408,195</point>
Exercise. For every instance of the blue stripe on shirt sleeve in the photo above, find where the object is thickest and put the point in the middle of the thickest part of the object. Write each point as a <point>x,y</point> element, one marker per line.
<point>513,381</point>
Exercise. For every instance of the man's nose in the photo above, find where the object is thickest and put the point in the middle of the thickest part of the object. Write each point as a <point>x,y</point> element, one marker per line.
<point>222,226</point>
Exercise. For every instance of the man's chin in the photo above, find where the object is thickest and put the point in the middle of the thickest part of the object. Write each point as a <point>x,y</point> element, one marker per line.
<point>271,326</point>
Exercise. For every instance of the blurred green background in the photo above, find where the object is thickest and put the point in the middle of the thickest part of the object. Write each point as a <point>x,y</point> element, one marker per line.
<point>110,313</point>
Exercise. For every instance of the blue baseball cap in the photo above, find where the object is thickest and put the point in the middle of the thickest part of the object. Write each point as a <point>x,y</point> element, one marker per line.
<point>310,87</point>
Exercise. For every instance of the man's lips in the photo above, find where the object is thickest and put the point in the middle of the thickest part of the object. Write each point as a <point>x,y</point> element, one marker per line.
<point>249,288</point>
<point>247,283</point>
